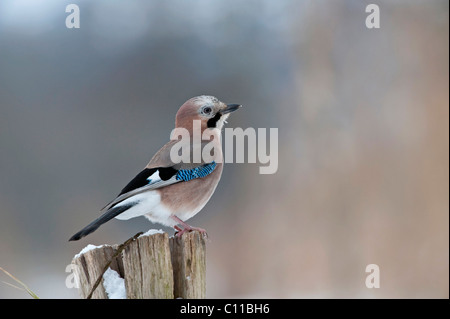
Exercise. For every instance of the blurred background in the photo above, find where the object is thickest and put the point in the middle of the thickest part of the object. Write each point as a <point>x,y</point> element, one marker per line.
<point>363,119</point>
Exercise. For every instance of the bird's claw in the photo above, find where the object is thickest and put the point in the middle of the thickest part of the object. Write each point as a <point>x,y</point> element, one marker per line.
<point>179,231</point>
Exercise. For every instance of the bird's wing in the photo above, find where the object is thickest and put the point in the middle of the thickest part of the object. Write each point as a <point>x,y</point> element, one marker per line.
<point>157,177</point>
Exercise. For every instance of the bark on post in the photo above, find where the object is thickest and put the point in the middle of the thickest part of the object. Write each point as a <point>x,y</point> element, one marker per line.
<point>189,265</point>
<point>147,268</point>
<point>152,265</point>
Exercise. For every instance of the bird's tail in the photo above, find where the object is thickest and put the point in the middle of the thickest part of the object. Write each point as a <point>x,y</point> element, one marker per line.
<point>109,214</point>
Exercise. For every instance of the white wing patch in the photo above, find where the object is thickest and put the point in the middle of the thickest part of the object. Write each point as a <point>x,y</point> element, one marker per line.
<point>154,178</point>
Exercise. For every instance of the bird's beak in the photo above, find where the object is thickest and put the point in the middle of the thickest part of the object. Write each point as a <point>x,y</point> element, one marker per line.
<point>230,108</point>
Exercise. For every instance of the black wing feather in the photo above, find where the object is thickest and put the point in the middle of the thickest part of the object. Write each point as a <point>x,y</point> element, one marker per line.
<point>139,180</point>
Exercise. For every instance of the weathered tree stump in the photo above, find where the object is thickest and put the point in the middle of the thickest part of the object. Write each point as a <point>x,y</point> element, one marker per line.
<point>151,265</point>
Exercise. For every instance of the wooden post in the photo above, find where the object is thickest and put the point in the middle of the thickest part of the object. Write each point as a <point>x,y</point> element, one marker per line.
<point>189,265</point>
<point>152,266</point>
<point>89,266</point>
<point>147,268</point>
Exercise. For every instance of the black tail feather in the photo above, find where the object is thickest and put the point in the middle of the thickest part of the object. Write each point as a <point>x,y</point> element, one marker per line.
<point>111,213</point>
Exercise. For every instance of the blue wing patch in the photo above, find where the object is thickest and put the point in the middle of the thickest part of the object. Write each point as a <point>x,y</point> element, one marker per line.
<point>197,172</point>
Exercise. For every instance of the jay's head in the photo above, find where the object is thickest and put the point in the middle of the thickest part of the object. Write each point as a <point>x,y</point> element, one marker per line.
<point>211,113</point>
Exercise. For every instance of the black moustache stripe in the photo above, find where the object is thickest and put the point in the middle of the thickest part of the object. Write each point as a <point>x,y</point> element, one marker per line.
<point>212,122</point>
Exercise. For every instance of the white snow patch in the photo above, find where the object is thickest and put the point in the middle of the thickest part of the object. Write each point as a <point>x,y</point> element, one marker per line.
<point>114,285</point>
<point>86,249</point>
<point>152,232</point>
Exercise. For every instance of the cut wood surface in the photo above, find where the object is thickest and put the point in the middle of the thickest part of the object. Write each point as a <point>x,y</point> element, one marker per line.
<point>152,266</point>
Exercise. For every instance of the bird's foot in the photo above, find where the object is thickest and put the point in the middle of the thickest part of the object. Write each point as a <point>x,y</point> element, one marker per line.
<point>187,228</point>
<point>180,231</point>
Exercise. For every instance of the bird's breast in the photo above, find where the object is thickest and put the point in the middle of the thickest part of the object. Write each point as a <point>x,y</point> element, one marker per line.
<point>190,197</point>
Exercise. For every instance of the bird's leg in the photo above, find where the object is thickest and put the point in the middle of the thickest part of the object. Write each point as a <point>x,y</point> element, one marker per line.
<point>186,228</point>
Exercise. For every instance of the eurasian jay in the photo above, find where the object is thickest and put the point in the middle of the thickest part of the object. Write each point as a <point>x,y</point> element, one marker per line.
<point>169,192</point>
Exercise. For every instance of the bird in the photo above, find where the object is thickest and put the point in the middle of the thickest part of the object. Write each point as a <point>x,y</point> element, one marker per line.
<point>168,191</point>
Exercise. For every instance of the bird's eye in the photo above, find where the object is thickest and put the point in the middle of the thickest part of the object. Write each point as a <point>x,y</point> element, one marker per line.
<point>207,110</point>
